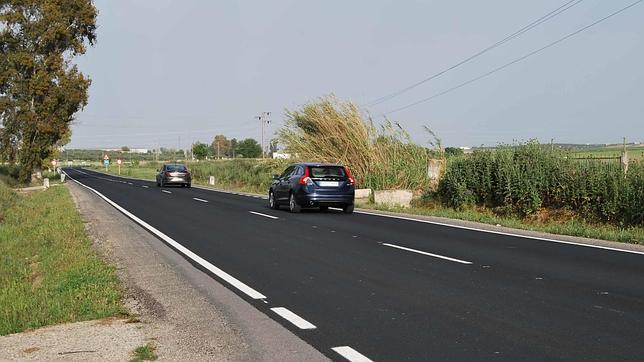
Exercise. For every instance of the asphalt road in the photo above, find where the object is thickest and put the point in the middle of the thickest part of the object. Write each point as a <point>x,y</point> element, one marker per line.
<point>389,289</point>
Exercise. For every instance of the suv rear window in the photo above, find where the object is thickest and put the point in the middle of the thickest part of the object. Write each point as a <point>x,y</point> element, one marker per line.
<point>176,168</point>
<point>326,171</point>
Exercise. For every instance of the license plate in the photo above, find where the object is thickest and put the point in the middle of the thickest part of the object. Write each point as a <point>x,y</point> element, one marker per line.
<point>329,183</point>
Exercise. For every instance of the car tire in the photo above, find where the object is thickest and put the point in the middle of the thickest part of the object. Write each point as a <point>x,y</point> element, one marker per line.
<point>271,201</point>
<point>189,185</point>
<point>292,204</point>
<point>348,209</point>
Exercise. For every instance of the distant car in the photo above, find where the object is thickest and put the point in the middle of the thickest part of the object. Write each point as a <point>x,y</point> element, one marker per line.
<point>306,185</point>
<point>174,174</point>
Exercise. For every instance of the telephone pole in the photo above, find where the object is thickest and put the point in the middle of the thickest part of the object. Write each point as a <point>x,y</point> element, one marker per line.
<point>264,120</point>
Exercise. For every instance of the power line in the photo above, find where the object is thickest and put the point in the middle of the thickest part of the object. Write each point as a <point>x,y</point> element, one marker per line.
<point>514,35</point>
<point>514,61</point>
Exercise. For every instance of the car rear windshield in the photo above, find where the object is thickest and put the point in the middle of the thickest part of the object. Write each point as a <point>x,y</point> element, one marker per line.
<point>326,171</point>
<point>176,168</point>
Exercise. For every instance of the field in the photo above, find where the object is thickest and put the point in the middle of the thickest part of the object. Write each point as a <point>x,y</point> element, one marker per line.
<point>48,270</point>
<point>635,152</point>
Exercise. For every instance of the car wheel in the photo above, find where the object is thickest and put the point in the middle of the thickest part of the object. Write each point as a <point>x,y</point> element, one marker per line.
<point>189,185</point>
<point>348,209</point>
<point>271,201</point>
<point>292,204</point>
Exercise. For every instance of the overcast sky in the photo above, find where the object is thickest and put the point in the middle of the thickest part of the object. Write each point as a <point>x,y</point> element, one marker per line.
<point>168,73</point>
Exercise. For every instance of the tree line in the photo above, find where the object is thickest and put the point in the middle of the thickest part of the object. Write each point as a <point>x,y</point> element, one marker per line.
<point>222,147</point>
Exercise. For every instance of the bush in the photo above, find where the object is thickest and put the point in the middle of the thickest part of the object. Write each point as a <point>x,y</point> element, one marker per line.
<point>524,178</point>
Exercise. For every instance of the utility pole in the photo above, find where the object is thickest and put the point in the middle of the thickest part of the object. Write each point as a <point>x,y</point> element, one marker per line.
<point>264,120</point>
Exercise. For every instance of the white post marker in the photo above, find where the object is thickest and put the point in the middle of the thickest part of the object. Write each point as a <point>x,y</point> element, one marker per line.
<point>119,162</point>
<point>53,163</point>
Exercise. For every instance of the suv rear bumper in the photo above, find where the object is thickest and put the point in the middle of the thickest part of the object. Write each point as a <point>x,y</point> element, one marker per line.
<point>313,200</point>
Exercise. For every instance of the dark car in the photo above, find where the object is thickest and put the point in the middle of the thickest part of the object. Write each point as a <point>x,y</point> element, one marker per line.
<point>306,185</point>
<point>174,174</point>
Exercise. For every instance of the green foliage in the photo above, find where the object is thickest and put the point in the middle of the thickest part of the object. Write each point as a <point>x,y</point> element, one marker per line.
<point>333,131</point>
<point>221,146</point>
<point>525,178</point>
<point>200,150</point>
<point>40,89</point>
<point>145,353</point>
<point>248,148</point>
<point>247,175</point>
<point>48,270</point>
<point>453,151</point>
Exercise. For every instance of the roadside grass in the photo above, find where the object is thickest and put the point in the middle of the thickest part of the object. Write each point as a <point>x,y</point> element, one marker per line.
<point>48,270</point>
<point>566,225</point>
<point>145,353</point>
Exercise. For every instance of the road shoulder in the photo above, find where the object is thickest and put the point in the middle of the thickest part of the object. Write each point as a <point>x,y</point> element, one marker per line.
<point>188,314</point>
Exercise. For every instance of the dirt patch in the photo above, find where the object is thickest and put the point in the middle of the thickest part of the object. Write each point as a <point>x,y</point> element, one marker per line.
<point>544,215</point>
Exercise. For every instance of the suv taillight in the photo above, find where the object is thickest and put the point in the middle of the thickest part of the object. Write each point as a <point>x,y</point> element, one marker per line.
<point>167,173</point>
<point>351,180</point>
<point>305,180</point>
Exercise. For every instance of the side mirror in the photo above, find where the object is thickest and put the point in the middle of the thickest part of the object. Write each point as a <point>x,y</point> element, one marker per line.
<point>275,177</point>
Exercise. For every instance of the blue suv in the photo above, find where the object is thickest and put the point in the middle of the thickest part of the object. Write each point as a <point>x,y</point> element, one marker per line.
<point>307,185</point>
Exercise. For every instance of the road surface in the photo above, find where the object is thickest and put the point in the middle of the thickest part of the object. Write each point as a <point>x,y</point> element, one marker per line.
<point>373,287</point>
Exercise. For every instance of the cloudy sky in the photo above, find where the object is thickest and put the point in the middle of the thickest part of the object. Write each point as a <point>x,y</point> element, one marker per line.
<point>169,73</point>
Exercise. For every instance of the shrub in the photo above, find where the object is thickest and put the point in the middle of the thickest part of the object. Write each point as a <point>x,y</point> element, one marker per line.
<point>526,177</point>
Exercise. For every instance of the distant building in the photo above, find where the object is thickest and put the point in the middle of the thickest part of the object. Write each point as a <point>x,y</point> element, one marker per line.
<point>281,155</point>
<point>139,150</point>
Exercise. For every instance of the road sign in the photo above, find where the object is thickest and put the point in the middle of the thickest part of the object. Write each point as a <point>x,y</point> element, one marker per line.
<point>106,161</point>
<point>53,163</point>
<point>106,157</point>
<point>119,161</point>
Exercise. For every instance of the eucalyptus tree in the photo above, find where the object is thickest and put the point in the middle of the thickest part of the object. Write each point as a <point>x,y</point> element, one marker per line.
<point>41,89</point>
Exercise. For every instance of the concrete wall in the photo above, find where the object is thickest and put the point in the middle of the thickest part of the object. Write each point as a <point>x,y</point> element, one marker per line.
<point>400,198</point>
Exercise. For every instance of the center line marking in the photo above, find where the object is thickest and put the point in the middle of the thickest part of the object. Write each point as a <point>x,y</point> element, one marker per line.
<point>426,253</point>
<point>198,199</point>
<point>264,215</point>
<point>145,186</point>
<point>351,354</point>
<point>166,191</point>
<point>298,321</point>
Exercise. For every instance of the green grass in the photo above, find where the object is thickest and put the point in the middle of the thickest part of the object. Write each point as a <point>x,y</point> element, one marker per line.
<point>563,226</point>
<point>48,270</point>
<point>145,353</point>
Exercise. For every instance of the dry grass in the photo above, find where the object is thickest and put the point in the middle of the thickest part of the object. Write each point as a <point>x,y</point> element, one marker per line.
<point>333,131</point>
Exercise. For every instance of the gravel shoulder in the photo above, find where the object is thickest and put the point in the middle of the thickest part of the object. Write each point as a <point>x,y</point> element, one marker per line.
<point>183,312</point>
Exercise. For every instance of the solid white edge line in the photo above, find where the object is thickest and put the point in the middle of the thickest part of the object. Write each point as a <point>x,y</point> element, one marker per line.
<point>264,215</point>
<point>295,319</point>
<point>166,191</point>
<point>428,254</point>
<point>185,251</point>
<point>351,354</point>
<point>438,223</point>
<point>498,232</point>
<point>198,199</point>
